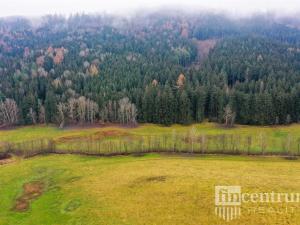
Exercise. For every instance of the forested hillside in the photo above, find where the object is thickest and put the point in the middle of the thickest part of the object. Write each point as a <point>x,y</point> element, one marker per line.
<point>157,68</point>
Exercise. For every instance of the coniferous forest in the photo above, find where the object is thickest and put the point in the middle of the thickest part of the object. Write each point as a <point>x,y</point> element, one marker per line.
<point>157,67</point>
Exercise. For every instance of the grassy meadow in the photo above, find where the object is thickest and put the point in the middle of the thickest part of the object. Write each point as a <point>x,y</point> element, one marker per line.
<point>149,189</point>
<point>204,137</point>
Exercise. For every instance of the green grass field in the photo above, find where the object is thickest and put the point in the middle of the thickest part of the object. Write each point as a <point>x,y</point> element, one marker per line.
<point>150,189</point>
<point>145,189</point>
<point>279,139</point>
<point>37,132</point>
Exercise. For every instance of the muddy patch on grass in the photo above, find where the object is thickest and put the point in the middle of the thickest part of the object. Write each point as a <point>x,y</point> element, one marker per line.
<point>290,158</point>
<point>138,154</point>
<point>70,138</point>
<point>5,159</point>
<point>31,191</point>
<point>54,188</point>
<point>96,136</point>
<point>149,180</point>
<point>71,206</point>
<point>4,156</point>
<point>74,179</point>
<point>110,133</point>
<point>156,179</point>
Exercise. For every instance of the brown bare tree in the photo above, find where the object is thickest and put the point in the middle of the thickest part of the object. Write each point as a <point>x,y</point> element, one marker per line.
<point>127,111</point>
<point>61,118</point>
<point>229,116</point>
<point>8,112</point>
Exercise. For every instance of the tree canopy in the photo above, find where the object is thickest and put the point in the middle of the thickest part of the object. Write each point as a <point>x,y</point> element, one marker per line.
<point>159,68</point>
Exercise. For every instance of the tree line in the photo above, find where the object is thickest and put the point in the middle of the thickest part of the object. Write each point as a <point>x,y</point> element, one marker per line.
<point>87,69</point>
<point>192,143</point>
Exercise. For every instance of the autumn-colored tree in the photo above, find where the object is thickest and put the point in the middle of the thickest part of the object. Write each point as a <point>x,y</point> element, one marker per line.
<point>181,80</point>
<point>59,56</point>
<point>93,70</point>
<point>154,83</point>
<point>57,83</point>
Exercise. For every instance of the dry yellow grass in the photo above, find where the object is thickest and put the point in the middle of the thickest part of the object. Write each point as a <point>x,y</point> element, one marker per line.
<point>152,189</point>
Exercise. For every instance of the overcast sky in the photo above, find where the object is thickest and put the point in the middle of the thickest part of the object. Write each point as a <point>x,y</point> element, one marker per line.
<point>41,7</point>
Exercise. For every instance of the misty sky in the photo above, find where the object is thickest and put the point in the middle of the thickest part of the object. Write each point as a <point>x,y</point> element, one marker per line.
<point>41,7</point>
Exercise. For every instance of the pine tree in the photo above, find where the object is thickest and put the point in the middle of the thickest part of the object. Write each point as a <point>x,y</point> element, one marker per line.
<point>149,107</point>
<point>50,107</point>
<point>184,108</point>
<point>200,97</point>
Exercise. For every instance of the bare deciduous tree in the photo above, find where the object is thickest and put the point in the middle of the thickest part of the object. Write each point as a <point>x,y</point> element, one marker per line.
<point>32,115</point>
<point>203,144</point>
<point>263,142</point>
<point>42,113</point>
<point>81,110</point>
<point>91,109</point>
<point>61,108</point>
<point>8,112</point>
<point>229,116</point>
<point>72,105</point>
<point>127,111</point>
<point>192,136</point>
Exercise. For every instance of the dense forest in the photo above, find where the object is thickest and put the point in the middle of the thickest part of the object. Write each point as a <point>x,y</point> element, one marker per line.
<point>159,67</point>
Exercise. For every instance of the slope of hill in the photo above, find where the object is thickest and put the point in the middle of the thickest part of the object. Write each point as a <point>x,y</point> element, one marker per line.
<point>111,69</point>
